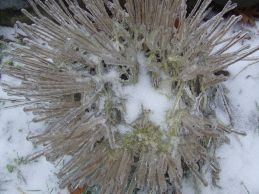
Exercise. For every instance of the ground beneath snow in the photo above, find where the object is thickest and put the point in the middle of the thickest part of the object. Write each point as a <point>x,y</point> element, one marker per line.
<point>16,176</point>
<point>239,160</point>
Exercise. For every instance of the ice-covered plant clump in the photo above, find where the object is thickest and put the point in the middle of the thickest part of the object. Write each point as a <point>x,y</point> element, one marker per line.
<point>126,90</point>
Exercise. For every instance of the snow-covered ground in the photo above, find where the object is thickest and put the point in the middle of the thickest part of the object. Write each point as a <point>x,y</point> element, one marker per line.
<point>17,177</point>
<point>239,161</point>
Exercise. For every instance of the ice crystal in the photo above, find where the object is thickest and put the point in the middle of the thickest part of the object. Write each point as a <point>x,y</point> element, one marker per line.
<point>76,58</point>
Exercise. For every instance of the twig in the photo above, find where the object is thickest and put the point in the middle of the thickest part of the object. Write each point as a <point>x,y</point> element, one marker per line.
<point>243,69</point>
<point>226,105</point>
<point>243,184</point>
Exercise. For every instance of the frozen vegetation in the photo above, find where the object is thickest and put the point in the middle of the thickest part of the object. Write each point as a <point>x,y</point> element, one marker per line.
<point>136,112</point>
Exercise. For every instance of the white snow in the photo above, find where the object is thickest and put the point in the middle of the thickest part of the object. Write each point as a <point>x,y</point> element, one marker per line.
<point>39,175</point>
<point>143,96</point>
<point>239,161</point>
<point>17,177</point>
<point>9,33</point>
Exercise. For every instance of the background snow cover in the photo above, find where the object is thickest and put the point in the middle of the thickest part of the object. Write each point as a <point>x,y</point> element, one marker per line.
<point>239,161</point>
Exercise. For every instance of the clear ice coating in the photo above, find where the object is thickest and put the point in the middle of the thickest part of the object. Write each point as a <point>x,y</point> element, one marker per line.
<point>80,68</point>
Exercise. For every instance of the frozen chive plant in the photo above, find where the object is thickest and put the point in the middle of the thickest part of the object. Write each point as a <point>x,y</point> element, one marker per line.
<point>126,90</point>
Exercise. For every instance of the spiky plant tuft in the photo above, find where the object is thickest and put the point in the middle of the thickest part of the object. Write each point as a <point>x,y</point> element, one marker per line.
<point>77,55</point>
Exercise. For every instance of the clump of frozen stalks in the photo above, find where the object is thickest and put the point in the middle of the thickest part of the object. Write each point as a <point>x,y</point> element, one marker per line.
<point>126,90</point>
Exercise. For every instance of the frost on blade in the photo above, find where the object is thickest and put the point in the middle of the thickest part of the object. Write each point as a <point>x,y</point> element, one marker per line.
<point>83,65</point>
